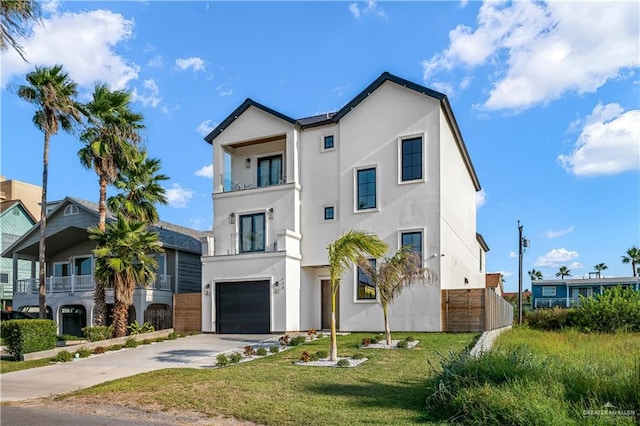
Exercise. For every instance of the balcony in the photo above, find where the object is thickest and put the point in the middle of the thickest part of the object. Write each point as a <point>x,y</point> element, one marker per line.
<point>78,284</point>
<point>550,302</point>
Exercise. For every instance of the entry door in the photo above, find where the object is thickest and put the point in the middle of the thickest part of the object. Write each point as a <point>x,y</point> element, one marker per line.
<point>326,306</point>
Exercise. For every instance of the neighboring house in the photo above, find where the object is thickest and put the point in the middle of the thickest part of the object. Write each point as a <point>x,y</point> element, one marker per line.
<point>494,281</point>
<point>15,221</point>
<point>567,292</point>
<point>29,194</point>
<point>392,161</point>
<point>70,263</point>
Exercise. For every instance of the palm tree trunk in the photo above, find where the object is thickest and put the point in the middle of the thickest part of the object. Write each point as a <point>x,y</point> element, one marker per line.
<point>99,309</point>
<point>102,205</point>
<point>387,330</point>
<point>99,295</point>
<point>633,265</point>
<point>334,342</point>
<point>120,316</point>
<point>42,303</point>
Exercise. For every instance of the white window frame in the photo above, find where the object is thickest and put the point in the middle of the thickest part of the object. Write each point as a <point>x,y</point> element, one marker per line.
<point>423,233</point>
<point>423,136</point>
<point>355,188</point>
<point>71,209</point>
<point>335,141</point>
<point>355,287</point>
<point>549,291</point>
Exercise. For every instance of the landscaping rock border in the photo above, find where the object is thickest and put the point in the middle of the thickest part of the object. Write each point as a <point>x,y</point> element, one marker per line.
<point>394,345</point>
<point>326,362</point>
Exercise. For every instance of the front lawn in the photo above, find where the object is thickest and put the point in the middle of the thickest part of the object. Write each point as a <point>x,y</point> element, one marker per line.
<point>390,388</point>
<point>9,365</point>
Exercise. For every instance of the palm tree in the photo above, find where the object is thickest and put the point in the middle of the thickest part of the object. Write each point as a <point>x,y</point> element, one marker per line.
<point>351,247</point>
<point>535,275</point>
<point>632,257</point>
<point>393,275</point>
<point>600,267</point>
<point>53,93</point>
<point>15,14</point>
<point>563,271</point>
<point>141,188</point>
<point>123,260</point>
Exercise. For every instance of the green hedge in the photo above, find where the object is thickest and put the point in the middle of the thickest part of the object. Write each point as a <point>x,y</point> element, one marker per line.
<point>97,333</point>
<point>26,336</point>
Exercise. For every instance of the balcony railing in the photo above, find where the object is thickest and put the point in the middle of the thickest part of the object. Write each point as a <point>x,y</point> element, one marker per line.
<point>78,283</point>
<point>550,302</point>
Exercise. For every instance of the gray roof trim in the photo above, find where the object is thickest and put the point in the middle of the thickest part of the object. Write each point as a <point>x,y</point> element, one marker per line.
<point>482,242</point>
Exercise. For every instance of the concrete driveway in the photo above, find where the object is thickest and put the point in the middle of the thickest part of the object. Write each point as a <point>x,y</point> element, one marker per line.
<point>197,351</point>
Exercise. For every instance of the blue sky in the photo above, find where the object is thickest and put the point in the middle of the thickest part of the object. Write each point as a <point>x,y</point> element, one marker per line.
<point>547,97</point>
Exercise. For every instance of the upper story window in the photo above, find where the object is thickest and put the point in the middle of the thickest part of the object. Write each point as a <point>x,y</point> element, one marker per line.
<point>411,159</point>
<point>328,142</point>
<point>270,170</point>
<point>83,265</point>
<point>329,213</point>
<point>252,233</point>
<point>366,288</point>
<point>549,291</point>
<point>412,240</point>
<point>366,190</point>
<point>71,209</point>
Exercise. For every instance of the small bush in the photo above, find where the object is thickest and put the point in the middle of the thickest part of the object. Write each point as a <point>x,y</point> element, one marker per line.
<point>553,319</point>
<point>147,341</point>
<point>84,353</point>
<point>284,340</point>
<point>69,337</point>
<point>374,341</point>
<point>172,336</point>
<point>410,339</point>
<point>380,337</point>
<point>402,344</point>
<point>96,334</point>
<point>315,357</point>
<point>274,349</point>
<point>99,350</point>
<point>136,328</point>
<point>311,333</point>
<point>222,360</point>
<point>114,348</point>
<point>617,309</point>
<point>357,355</point>
<point>26,336</point>
<point>261,352</point>
<point>297,341</point>
<point>305,356</point>
<point>63,356</point>
<point>235,357</point>
<point>343,363</point>
<point>366,341</point>
<point>131,343</point>
<point>322,354</point>
<point>248,351</point>
<point>159,339</point>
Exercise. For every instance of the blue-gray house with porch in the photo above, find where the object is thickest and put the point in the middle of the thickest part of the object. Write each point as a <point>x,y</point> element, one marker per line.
<point>567,292</point>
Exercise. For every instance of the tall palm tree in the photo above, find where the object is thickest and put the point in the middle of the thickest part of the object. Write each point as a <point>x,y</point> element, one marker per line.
<point>123,259</point>
<point>600,267</point>
<point>394,274</point>
<point>141,188</point>
<point>632,257</point>
<point>15,15</point>
<point>535,275</point>
<point>563,271</point>
<point>351,247</point>
<point>53,94</point>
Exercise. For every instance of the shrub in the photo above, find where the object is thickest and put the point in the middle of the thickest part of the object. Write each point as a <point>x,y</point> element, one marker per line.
<point>235,357</point>
<point>131,343</point>
<point>172,336</point>
<point>322,354</point>
<point>222,360</point>
<point>311,333</point>
<point>380,337</point>
<point>147,341</point>
<point>63,356</point>
<point>248,351</point>
<point>297,341</point>
<point>284,340</point>
<point>402,344</point>
<point>96,334</point>
<point>136,328</point>
<point>99,350</point>
<point>114,348</point>
<point>553,319</point>
<point>69,337</point>
<point>615,309</point>
<point>343,363</point>
<point>274,349</point>
<point>410,339</point>
<point>22,336</point>
<point>374,341</point>
<point>366,341</point>
<point>357,355</point>
<point>261,352</point>
<point>84,353</point>
<point>315,356</point>
<point>305,356</point>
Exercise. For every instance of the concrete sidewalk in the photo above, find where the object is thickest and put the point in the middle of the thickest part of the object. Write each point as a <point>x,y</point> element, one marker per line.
<point>197,351</point>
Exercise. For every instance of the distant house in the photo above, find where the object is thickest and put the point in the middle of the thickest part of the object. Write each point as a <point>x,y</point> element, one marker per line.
<point>493,280</point>
<point>70,263</point>
<point>15,221</point>
<point>567,292</point>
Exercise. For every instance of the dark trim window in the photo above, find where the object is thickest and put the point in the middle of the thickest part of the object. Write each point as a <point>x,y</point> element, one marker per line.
<point>366,187</point>
<point>252,233</point>
<point>4,278</point>
<point>413,240</point>
<point>411,159</point>
<point>270,170</point>
<point>329,213</point>
<point>366,289</point>
<point>328,142</point>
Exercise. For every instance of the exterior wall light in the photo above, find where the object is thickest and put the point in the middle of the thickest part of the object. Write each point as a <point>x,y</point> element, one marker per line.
<point>232,218</point>
<point>270,213</point>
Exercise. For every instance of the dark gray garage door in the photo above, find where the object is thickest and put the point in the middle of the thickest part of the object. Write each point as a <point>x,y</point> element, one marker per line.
<point>243,307</point>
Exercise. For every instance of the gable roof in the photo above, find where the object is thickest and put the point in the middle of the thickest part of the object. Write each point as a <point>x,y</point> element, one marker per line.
<point>5,206</point>
<point>335,117</point>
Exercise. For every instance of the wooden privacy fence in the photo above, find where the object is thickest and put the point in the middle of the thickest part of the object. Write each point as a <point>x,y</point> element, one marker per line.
<point>477,309</point>
<point>187,312</point>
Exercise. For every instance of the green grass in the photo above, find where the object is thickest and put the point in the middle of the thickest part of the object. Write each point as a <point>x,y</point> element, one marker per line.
<point>389,388</point>
<point>9,365</point>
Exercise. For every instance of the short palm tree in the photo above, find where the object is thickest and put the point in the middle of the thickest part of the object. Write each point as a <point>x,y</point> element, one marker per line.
<point>563,271</point>
<point>600,267</point>
<point>632,257</point>
<point>53,94</point>
<point>15,14</point>
<point>351,247</point>
<point>394,274</point>
<point>123,260</point>
<point>535,275</point>
<point>141,189</point>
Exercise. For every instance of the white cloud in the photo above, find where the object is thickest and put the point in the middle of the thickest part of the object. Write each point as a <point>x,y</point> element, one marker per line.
<point>556,258</point>
<point>443,87</point>
<point>371,8</point>
<point>206,127</point>
<point>340,90</point>
<point>224,90</point>
<point>177,196</point>
<point>150,97</point>
<point>88,59</point>
<point>504,274</point>
<point>513,254</point>
<point>555,234</point>
<point>157,61</point>
<point>542,51</point>
<point>608,144</point>
<point>481,198</point>
<point>205,172</point>
<point>50,6</point>
<point>576,265</point>
<point>195,63</point>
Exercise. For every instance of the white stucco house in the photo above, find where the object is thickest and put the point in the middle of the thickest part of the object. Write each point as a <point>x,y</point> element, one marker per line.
<point>391,161</point>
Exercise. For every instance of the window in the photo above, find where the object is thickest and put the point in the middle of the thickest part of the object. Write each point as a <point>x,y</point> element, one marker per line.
<point>411,159</point>
<point>70,209</point>
<point>366,189</point>
<point>4,278</point>
<point>480,257</point>
<point>270,170</point>
<point>328,142</point>
<point>549,291</point>
<point>61,269</point>
<point>366,289</point>
<point>82,266</point>
<point>413,240</point>
<point>252,233</point>
<point>162,264</point>
<point>329,213</point>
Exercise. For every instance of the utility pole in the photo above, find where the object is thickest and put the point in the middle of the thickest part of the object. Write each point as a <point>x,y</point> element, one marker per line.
<point>522,244</point>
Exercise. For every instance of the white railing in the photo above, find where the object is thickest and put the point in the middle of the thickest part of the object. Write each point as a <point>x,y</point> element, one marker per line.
<point>550,302</point>
<point>77,283</point>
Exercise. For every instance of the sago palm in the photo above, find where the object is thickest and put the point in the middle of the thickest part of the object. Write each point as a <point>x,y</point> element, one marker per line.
<point>563,271</point>
<point>53,94</point>
<point>351,247</point>
<point>632,257</point>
